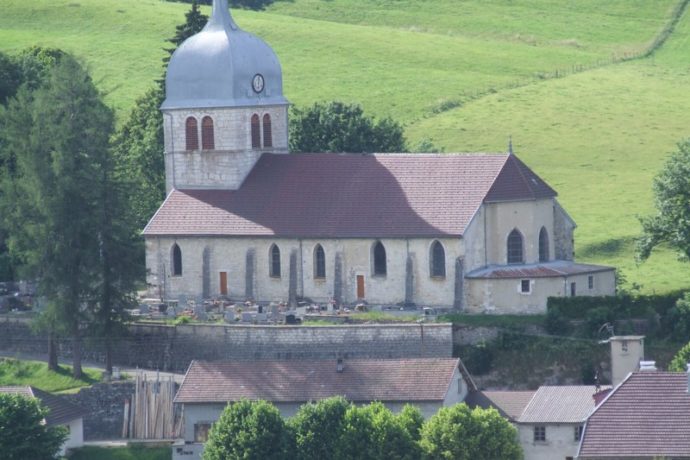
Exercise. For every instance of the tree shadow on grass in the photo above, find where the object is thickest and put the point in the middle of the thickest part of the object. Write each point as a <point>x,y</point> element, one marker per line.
<point>610,247</point>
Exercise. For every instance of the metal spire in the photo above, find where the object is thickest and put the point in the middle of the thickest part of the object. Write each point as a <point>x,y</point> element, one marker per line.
<point>220,16</point>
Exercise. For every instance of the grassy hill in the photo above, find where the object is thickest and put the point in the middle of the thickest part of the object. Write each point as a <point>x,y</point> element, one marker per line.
<point>466,73</point>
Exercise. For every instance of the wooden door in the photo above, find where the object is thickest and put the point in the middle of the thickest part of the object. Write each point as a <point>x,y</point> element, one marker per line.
<point>360,286</point>
<point>223,283</point>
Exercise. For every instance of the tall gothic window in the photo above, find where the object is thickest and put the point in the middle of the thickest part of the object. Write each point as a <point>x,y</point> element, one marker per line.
<point>515,251</point>
<point>319,262</point>
<point>437,261</point>
<point>207,141</point>
<point>176,260</point>
<point>543,245</point>
<point>191,134</point>
<point>379,259</point>
<point>274,262</point>
<point>256,132</point>
<point>268,137</point>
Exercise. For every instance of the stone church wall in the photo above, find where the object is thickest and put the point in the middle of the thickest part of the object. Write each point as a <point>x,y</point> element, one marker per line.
<point>174,347</point>
<point>408,278</point>
<point>228,164</point>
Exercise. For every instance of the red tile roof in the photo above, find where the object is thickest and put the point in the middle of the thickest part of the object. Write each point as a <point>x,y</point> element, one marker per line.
<point>646,416</point>
<point>509,403</point>
<point>351,195</point>
<point>60,410</point>
<point>543,270</point>
<point>299,381</point>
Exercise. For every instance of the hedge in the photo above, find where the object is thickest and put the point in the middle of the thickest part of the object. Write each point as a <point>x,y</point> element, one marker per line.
<point>620,307</point>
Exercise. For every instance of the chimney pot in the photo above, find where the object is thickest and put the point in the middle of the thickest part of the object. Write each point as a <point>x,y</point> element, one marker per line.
<point>647,366</point>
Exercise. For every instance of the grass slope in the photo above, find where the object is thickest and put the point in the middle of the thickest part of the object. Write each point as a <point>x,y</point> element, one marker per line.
<point>35,373</point>
<point>467,74</point>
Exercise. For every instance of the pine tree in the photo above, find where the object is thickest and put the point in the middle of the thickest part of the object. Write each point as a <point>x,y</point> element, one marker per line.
<point>194,22</point>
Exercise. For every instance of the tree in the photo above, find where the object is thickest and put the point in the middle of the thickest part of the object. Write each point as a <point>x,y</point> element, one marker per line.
<point>60,202</point>
<point>24,435</point>
<point>372,432</point>
<point>680,361</point>
<point>317,428</point>
<point>249,430</point>
<point>671,223</point>
<point>194,22</point>
<point>460,433</point>
<point>339,127</point>
<point>10,77</point>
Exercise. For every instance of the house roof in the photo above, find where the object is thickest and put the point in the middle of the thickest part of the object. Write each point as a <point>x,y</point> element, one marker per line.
<point>559,404</point>
<point>509,403</point>
<point>423,379</point>
<point>647,415</point>
<point>59,409</point>
<point>552,269</point>
<point>351,195</point>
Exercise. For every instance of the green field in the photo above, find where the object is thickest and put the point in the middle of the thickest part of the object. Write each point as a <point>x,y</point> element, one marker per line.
<point>465,73</point>
<point>35,373</point>
<point>121,453</point>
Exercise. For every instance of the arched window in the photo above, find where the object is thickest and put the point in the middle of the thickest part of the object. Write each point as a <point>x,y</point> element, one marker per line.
<point>515,252</point>
<point>379,259</point>
<point>437,261</point>
<point>176,260</point>
<point>268,137</point>
<point>543,245</point>
<point>207,141</point>
<point>191,134</point>
<point>256,132</point>
<point>274,262</point>
<point>319,262</point>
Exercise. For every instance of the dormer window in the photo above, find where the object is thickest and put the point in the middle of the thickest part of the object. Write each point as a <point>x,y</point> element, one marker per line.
<point>191,134</point>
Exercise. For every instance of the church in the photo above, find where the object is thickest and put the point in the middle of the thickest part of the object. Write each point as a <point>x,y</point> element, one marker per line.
<point>246,220</point>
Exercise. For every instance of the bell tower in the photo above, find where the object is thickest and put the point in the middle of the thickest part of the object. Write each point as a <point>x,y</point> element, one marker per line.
<point>224,106</point>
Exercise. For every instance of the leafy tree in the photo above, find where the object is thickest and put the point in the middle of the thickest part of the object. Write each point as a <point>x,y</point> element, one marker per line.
<point>680,360</point>
<point>460,433</point>
<point>317,428</point>
<point>194,22</point>
<point>372,432</point>
<point>24,436</point>
<point>412,420</point>
<point>249,430</point>
<point>671,223</point>
<point>61,201</point>
<point>10,77</point>
<point>339,127</point>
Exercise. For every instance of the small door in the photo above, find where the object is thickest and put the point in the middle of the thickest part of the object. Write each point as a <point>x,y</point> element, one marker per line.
<point>223,283</point>
<point>360,286</point>
<point>572,290</point>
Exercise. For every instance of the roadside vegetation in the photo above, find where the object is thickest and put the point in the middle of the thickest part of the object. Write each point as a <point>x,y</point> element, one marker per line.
<point>135,452</point>
<point>37,374</point>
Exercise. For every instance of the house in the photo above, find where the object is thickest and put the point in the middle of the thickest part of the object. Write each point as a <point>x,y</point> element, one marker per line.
<point>244,220</point>
<point>60,413</point>
<point>428,383</point>
<point>647,416</point>
<point>549,421</point>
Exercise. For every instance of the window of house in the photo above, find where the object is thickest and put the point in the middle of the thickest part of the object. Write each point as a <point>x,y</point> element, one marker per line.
<point>274,266</point>
<point>176,260</point>
<point>624,346</point>
<point>515,251</point>
<point>379,259</point>
<point>201,431</point>
<point>543,245</point>
<point>207,139</point>
<point>573,289</point>
<point>438,260</point>
<point>268,136</point>
<point>256,132</point>
<point>578,433</point>
<point>319,262</point>
<point>590,281</point>
<point>525,286</point>
<point>191,134</point>
<point>540,433</point>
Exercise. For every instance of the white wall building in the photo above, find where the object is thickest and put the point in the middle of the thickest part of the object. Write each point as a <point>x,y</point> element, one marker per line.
<point>245,220</point>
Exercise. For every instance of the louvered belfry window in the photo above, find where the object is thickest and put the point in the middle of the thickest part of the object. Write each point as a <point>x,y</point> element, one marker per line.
<point>207,139</point>
<point>256,132</point>
<point>191,134</point>
<point>268,135</point>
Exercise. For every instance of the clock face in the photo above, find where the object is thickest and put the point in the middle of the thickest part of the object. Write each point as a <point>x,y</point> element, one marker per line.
<point>258,83</point>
